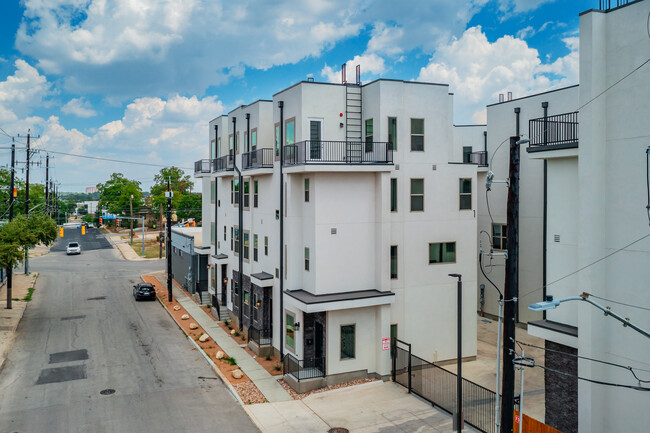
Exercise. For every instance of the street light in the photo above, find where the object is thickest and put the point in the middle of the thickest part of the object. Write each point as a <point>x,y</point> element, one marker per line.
<point>551,304</point>
<point>458,416</point>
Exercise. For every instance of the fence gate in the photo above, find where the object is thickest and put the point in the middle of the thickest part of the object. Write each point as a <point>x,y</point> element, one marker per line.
<point>438,386</point>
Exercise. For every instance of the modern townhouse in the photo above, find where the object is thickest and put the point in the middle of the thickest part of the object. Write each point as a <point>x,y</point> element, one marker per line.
<point>351,239</point>
<point>596,208</point>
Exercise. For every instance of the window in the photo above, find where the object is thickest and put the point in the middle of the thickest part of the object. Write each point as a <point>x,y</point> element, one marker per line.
<point>254,140</point>
<point>230,144</point>
<point>255,247</point>
<point>442,252</point>
<point>235,191</point>
<point>277,272</point>
<point>212,234</point>
<point>306,259</point>
<point>465,194</point>
<point>393,195</point>
<point>315,139</point>
<point>246,299</point>
<point>255,192</point>
<point>417,195</point>
<point>368,135</point>
<point>417,135</point>
<point>467,154</point>
<point>277,140</point>
<point>232,191</point>
<point>237,142</point>
<point>266,245</point>
<point>306,190</point>
<point>290,132</point>
<point>499,237</point>
<point>392,132</point>
<point>348,342</point>
<point>224,234</point>
<point>232,238</point>
<point>246,194</point>
<point>236,240</point>
<point>246,245</point>
<point>393,262</point>
<point>218,147</point>
<point>212,191</point>
<point>213,149</point>
<point>246,148</point>
<point>290,333</point>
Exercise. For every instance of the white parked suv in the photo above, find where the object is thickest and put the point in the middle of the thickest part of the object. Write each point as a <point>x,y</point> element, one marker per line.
<point>73,248</point>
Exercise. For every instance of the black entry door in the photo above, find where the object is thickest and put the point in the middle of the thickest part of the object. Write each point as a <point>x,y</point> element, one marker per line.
<point>318,340</point>
<point>224,284</point>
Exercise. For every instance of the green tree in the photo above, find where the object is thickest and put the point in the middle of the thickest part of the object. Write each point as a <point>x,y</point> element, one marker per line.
<point>115,193</point>
<point>189,206</point>
<point>22,233</point>
<point>36,195</point>
<point>181,184</point>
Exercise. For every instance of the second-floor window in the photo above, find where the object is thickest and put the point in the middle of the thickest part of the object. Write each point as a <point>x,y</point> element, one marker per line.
<point>213,149</point>
<point>306,259</point>
<point>393,195</point>
<point>277,140</point>
<point>246,245</point>
<point>224,234</point>
<point>290,137</point>
<point>392,132</point>
<point>253,140</point>
<point>499,237</point>
<point>213,190</point>
<point>306,190</point>
<point>467,154</point>
<point>231,147</point>
<point>255,192</point>
<point>246,194</point>
<point>212,234</point>
<point>417,134</point>
<point>465,189</point>
<point>442,252</point>
<point>266,245</point>
<point>255,247</point>
<point>393,262</point>
<point>417,195</point>
<point>368,135</point>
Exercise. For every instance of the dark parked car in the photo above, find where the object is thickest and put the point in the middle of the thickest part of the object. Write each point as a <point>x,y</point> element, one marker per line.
<point>144,291</point>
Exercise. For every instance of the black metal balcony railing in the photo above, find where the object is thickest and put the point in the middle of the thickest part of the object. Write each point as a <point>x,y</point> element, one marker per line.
<point>263,337</point>
<point>303,369</point>
<point>224,163</point>
<point>202,166</point>
<point>260,158</point>
<point>479,158</point>
<point>559,131</point>
<point>338,152</point>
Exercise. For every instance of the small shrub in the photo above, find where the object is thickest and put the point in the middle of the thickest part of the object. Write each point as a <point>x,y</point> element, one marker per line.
<point>237,334</point>
<point>227,323</point>
<point>243,337</point>
<point>268,357</point>
<point>277,367</point>
<point>229,328</point>
<point>232,361</point>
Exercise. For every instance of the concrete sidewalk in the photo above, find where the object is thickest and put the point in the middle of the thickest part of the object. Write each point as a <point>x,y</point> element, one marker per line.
<point>267,384</point>
<point>372,407</point>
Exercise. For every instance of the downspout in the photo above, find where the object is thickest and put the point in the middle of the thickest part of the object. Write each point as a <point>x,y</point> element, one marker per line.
<point>241,187</point>
<point>240,277</point>
<point>545,229</point>
<point>281,107</point>
<point>248,134</point>
<point>216,213</point>
<point>485,146</point>
<point>517,112</point>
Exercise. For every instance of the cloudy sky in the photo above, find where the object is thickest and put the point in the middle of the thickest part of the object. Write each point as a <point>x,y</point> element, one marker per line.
<point>139,80</point>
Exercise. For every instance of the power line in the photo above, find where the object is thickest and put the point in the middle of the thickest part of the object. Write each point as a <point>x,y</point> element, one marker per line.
<point>99,158</point>
<point>599,382</point>
<point>586,266</point>
<point>620,303</point>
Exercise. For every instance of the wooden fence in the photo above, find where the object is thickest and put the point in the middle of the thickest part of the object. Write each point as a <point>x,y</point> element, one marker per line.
<point>531,425</point>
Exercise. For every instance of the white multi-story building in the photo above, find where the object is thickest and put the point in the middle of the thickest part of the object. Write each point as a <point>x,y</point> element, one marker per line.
<point>596,228</point>
<point>352,238</point>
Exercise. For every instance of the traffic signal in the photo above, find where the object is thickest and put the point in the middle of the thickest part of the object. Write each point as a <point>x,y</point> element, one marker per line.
<point>61,232</point>
<point>100,221</point>
<point>117,222</point>
<point>15,192</point>
<point>83,229</point>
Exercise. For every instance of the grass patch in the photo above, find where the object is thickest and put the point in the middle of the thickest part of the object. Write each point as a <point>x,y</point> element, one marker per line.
<point>151,249</point>
<point>28,296</point>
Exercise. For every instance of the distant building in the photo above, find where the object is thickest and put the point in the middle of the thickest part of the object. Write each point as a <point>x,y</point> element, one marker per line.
<point>91,189</point>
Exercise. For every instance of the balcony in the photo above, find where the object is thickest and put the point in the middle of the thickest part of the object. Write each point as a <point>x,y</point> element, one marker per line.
<point>311,152</point>
<point>224,163</point>
<point>553,132</point>
<point>202,166</point>
<point>260,158</point>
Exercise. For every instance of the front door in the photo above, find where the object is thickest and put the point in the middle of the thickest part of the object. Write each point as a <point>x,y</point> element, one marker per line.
<point>318,340</point>
<point>224,284</point>
<point>315,139</point>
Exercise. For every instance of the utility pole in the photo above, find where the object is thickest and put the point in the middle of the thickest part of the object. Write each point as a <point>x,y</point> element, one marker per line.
<point>160,235</point>
<point>131,220</point>
<point>12,198</point>
<point>27,201</point>
<point>47,183</point>
<point>168,247</point>
<point>510,290</point>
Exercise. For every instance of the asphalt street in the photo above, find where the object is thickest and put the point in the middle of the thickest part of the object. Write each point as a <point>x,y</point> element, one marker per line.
<point>88,358</point>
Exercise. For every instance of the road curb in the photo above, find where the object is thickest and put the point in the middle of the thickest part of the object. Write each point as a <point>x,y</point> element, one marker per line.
<point>10,343</point>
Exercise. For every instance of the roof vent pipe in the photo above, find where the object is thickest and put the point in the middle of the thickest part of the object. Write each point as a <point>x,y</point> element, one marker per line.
<point>509,96</point>
<point>500,97</point>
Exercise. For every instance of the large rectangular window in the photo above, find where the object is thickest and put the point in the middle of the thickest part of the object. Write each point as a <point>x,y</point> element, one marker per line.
<point>290,333</point>
<point>255,247</point>
<point>467,154</point>
<point>465,189</point>
<point>306,190</point>
<point>393,195</point>
<point>235,191</point>
<point>213,149</point>
<point>246,245</point>
<point>246,194</point>
<point>417,195</point>
<point>255,193</point>
<point>442,252</point>
<point>253,140</point>
<point>368,135</point>
<point>306,259</point>
<point>392,132</point>
<point>290,131</point>
<point>393,262</point>
<point>499,237</point>
<point>417,134</point>
<point>348,342</point>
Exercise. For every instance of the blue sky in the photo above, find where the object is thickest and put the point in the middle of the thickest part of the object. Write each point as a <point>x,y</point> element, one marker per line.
<point>139,80</point>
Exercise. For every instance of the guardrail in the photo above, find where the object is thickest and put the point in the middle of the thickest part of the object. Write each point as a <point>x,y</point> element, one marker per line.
<point>338,152</point>
<point>224,163</point>
<point>202,166</point>
<point>302,369</point>
<point>559,131</point>
<point>260,158</point>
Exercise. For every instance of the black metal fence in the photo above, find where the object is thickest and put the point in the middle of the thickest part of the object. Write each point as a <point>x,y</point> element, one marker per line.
<point>303,369</point>
<point>202,166</point>
<point>605,5</point>
<point>559,131</point>
<point>224,163</point>
<point>260,158</point>
<point>338,152</point>
<point>262,336</point>
<point>438,386</point>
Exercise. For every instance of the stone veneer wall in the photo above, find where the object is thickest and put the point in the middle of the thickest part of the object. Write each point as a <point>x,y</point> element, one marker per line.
<point>561,390</point>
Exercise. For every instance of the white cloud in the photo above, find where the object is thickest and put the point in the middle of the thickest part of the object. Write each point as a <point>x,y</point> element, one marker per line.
<point>22,91</point>
<point>371,64</point>
<point>478,70</point>
<point>525,32</point>
<point>79,107</point>
<point>520,6</point>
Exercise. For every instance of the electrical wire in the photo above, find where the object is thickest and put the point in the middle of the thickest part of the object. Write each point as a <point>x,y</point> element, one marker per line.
<point>647,173</point>
<point>619,303</point>
<point>613,364</point>
<point>587,266</point>
<point>599,382</point>
<point>98,158</point>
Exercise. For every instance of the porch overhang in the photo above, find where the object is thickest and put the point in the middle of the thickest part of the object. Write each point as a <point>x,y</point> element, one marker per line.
<point>310,303</point>
<point>262,279</point>
<point>220,259</point>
